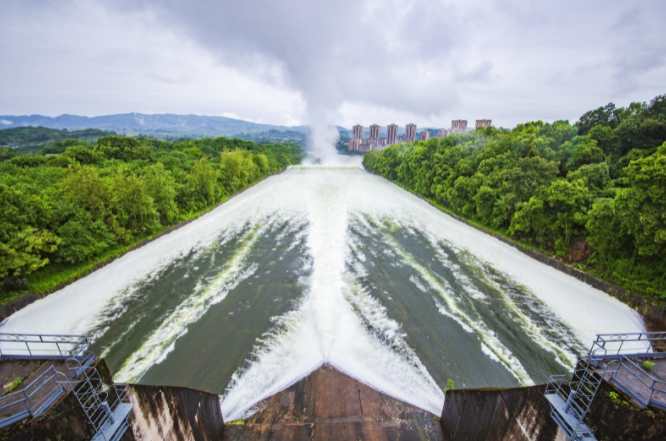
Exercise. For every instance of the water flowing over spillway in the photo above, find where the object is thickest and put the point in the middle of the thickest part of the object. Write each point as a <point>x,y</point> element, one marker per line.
<point>329,265</point>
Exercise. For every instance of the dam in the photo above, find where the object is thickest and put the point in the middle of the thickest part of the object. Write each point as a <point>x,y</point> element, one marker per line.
<point>335,268</point>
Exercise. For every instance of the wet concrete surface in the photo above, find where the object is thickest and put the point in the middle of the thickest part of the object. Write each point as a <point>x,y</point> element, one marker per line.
<point>649,386</point>
<point>329,405</point>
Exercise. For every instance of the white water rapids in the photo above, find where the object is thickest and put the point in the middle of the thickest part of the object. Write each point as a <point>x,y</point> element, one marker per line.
<point>342,316</point>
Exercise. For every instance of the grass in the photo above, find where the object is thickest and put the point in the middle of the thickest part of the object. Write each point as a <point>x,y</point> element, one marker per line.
<point>240,421</point>
<point>648,365</point>
<point>16,382</point>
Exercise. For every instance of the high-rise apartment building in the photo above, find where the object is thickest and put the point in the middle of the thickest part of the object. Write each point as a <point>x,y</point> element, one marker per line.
<point>373,140</point>
<point>354,145</point>
<point>358,132</point>
<point>425,135</point>
<point>391,134</point>
<point>459,126</point>
<point>482,123</point>
<point>410,133</point>
<point>443,133</point>
<point>374,132</point>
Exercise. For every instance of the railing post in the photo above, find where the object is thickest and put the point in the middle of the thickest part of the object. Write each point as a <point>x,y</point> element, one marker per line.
<point>25,400</point>
<point>27,346</point>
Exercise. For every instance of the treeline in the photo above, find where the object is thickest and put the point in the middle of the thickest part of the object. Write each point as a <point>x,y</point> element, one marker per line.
<point>593,193</point>
<point>42,136</point>
<point>69,208</point>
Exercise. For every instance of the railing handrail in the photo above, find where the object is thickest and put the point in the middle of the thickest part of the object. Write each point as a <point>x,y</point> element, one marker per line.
<point>4,335</point>
<point>617,336</point>
<point>51,373</point>
<point>613,345</point>
<point>35,346</point>
<point>654,380</point>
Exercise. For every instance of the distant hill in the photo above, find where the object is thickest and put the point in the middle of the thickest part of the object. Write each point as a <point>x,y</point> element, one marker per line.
<point>161,125</point>
<point>34,138</point>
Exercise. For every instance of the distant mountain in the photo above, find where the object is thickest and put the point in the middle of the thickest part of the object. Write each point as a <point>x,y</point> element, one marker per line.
<point>152,125</point>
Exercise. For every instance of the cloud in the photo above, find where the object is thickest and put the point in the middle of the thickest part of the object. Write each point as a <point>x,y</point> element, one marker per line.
<point>323,62</point>
<point>5,122</point>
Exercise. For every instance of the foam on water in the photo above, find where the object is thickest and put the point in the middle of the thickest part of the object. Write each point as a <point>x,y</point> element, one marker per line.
<point>162,340</point>
<point>336,320</point>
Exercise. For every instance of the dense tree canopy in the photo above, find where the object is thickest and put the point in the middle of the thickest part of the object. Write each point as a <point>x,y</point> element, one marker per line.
<point>56,140</point>
<point>73,206</point>
<point>601,182</point>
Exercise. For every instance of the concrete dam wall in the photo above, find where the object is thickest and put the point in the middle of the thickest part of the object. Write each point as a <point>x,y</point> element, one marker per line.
<point>523,414</point>
<point>520,413</point>
<point>175,414</point>
<point>328,405</point>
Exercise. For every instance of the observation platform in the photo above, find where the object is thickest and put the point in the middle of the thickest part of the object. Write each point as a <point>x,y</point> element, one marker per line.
<point>329,405</point>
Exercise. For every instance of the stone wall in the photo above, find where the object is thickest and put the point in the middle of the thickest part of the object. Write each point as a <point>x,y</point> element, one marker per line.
<point>516,414</point>
<point>175,414</point>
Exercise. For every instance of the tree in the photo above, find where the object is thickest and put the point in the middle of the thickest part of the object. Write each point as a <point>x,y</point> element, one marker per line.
<point>202,178</point>
<point>641,208</point>
<point>84,186</point>
<point>161,186</point>
<point>132,205</point>
<point>82,237</point>
<point>23,247</point>
<point>122,147</point>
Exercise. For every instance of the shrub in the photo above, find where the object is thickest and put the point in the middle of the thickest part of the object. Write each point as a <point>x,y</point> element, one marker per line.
<point>16,382</point>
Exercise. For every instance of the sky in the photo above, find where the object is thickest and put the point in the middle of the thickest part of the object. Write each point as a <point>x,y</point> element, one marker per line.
<point>343,62</point>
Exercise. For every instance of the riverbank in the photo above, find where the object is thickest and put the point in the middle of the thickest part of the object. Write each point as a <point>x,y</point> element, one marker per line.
<point>55,277</point>
<point>655,314</point>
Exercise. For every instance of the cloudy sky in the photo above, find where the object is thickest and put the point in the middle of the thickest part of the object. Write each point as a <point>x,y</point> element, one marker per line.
<point>342,61</point>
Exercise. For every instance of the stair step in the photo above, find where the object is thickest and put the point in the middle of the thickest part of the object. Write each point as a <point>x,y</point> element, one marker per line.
<point>568,422</point>
<point>109,431</point>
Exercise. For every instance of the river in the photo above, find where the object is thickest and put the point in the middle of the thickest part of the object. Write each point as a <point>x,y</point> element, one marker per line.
<point>329,265</point>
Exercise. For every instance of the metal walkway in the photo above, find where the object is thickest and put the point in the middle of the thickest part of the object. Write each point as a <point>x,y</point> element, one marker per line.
<point>47,347</point>
<point>632,345</point>
<point>107,407</point>
<point>570,401</point>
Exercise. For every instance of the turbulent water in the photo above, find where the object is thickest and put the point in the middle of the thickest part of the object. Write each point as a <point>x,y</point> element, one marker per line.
<point>329,265</point>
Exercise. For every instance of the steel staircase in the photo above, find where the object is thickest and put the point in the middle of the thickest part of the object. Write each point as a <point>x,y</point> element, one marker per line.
<point>107,407</point>
<point>570,401</point>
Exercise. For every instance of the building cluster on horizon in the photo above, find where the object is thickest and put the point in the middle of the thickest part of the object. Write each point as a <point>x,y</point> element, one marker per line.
<point>374,141</point>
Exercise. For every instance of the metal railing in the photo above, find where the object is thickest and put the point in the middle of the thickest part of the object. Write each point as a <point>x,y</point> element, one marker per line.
<point>644,388</point>
<point>42,346</point>
<point>616,346</point>
<point>32,400</point>
<point>575,398</point>
<point>100,403</point>
<point>48,347</point>
<point>570,401</point>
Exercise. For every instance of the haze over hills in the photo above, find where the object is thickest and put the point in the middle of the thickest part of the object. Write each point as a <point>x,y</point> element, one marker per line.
<point>156,124</point>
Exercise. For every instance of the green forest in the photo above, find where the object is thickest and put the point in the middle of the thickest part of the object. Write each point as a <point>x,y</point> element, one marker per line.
<point>63,214</point>
<point>32,139</point>
<point>592,194</point>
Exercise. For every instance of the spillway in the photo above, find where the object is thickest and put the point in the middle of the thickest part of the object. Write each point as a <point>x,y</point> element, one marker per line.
<point>329,265</point>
